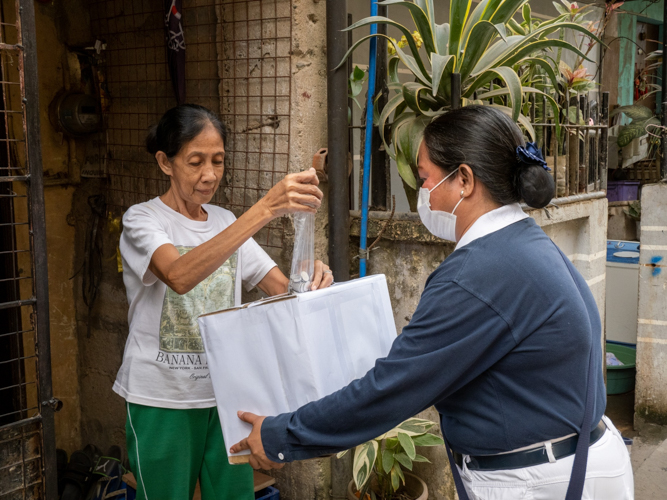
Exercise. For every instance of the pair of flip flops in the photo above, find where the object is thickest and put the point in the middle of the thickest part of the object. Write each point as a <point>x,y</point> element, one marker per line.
<point>92,475</point>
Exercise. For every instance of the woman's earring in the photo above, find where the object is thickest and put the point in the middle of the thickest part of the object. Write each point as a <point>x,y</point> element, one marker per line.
<point>462,191</point>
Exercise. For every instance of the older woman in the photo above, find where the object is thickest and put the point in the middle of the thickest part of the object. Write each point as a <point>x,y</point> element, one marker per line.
<point>505,341</point>
<point>181,258</point>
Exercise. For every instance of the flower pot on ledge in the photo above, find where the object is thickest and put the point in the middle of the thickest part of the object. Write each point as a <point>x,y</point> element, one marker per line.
<point>414,487</point>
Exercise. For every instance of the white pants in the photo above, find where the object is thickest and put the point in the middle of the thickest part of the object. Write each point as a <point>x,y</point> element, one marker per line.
<point>608,476</point>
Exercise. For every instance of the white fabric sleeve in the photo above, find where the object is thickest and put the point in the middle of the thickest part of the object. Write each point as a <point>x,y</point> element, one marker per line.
<point>255,264</point>
<point>143,233</point>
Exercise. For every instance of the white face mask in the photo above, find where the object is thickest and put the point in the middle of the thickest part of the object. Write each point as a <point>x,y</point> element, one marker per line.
<point>440,224</point>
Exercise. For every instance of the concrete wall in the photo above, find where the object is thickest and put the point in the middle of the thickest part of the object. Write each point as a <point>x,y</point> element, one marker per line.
<point>60,24</point>
<point>651,383</point>
<point>408,254</point>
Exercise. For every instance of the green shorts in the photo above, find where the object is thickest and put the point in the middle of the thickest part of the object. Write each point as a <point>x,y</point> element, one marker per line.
<point>170,449</point>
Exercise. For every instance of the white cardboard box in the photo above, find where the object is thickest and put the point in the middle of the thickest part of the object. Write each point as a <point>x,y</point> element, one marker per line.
<point>277,354</point>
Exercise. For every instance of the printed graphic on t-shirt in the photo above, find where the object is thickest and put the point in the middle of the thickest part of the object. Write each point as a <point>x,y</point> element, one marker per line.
<point>179,330</point>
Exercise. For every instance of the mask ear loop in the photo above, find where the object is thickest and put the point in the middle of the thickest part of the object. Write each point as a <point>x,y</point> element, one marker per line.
<point>457,205</point>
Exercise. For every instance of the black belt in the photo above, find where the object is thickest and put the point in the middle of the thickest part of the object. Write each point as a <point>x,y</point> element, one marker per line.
<point>528,458</point>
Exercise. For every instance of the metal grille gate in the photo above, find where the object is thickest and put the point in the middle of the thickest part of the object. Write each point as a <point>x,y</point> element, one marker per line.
<point>27,434</point>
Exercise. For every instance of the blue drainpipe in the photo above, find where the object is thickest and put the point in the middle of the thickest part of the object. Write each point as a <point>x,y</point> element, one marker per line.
<point>367,145</point>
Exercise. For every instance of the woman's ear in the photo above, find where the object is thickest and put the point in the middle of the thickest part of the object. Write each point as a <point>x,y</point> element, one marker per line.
<point>467,179</point>
<point>163,161</point>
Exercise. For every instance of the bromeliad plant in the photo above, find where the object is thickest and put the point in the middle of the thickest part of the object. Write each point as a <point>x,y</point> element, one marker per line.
<point>380,461</point>
<point>479,45</point>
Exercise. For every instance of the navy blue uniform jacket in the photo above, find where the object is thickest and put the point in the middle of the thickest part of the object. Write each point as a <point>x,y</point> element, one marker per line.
<point>499,343</point>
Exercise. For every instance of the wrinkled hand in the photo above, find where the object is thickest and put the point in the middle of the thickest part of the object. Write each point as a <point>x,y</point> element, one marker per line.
<point>258,459</point>
<point>322,277</point>
<point>295,193</point>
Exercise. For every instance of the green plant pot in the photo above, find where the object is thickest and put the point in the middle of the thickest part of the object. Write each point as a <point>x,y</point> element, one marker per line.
<point>621,379</point>
<point>414,487</point>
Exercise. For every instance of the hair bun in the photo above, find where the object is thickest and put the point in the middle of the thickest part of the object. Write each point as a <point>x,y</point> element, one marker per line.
<point>536,186</point>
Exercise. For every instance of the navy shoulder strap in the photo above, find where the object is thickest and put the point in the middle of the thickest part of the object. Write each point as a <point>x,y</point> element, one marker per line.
<point>578,476</point>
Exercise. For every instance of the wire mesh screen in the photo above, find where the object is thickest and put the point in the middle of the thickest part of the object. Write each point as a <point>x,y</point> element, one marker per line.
<point>21,466</point>
<point>237,65</point>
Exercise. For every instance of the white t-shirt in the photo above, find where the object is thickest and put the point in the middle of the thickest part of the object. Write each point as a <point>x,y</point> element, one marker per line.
<point>164,363</point>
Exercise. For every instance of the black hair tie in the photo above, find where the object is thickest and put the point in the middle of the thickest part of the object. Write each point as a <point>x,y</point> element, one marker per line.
<point>530,155</point>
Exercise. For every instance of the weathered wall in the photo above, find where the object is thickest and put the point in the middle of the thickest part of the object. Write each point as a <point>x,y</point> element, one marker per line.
<point>60,24</point>
<point>407,254</point>
<point>651,383</point>
<point>310,479</point>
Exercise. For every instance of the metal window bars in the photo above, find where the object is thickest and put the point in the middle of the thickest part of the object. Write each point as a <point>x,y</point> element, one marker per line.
<point>238,60</point>
<point>27,433</point>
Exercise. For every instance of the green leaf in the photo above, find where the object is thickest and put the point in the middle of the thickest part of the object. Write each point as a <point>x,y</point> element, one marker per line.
<point>458,13</point>
<point>409,135</point>
<point>506,11</point>
<point>404,460</point>
<point>393,69</point>
<point>473,19</point>
<point>545,66</point>
<point>427,440</point>
<point>442,73</point>
<point>510,59</point>
<point>364,459</point>
<point>399,472</point>
<point>511,79</point>
<point>407,444</point>
<point>518,47</point>
<point>527,15</point>
<point>442,38</point>
<point>479,40</point>
<point>388,109</point>
<point>420,458</point>
<point>561,10</point>
<point>387,461</point>
<point>523,120</point>
<point>421,22</point>
<point>410,62</point>
<point>395,478</point>
<point>341,454</point>
<point>408,35</point>
<point>419,104</point>
<point>516,27</point>
<point>630,132</point>
<point>405,171</point>
<point>358,74</point>
<point>391,443</point>
<point>496,51</point>
<point>633,111</point>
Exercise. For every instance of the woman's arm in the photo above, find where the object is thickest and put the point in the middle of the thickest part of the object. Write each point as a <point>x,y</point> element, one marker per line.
<point>452,338</point>
<point>295,193</point>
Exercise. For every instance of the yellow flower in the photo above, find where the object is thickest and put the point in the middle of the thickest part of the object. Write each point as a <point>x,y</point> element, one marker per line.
<point>418,39</point>
<point>391,50</point>
<point>403,42</point>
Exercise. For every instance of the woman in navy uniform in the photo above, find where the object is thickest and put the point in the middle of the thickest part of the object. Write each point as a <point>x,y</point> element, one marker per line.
<point>505,341</point>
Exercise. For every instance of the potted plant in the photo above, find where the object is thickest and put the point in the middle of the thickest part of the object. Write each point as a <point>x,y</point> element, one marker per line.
<point>485,46</point>
<point>381,465</point>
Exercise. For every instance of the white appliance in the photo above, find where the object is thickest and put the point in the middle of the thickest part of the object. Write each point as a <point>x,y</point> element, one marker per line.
<point>622,290</point>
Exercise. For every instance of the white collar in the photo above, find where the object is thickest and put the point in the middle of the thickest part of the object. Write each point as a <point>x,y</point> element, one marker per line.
<point>491,222</point>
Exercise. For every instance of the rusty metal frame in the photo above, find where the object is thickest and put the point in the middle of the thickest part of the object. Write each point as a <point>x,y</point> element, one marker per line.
<point>34,424</point>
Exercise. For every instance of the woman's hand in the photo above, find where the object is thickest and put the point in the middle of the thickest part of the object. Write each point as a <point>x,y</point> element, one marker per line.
<point>258,459</point>
<point>295,193</point>
<point>322,277</point>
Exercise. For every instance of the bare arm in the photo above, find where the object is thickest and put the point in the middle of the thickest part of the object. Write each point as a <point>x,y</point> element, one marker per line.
<point>181,273</point>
